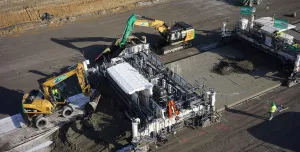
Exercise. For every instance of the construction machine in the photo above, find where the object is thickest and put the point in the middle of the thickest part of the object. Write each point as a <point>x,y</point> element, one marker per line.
<point>175,38</point>
<point>250,2</point>
<point>274,36</point>
<point>63,93</point>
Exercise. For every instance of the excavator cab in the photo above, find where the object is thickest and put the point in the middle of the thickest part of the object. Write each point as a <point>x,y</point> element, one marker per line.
<point>58,94</point>
<point>180,32</point>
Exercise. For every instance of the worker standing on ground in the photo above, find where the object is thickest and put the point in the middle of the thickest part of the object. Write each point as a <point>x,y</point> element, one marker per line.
<point>272,110</point>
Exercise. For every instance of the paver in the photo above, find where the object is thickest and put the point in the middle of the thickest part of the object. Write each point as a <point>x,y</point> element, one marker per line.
<point>229,88</point>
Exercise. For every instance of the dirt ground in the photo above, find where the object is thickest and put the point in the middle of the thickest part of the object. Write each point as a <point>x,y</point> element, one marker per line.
<point>16,15</point>
<point>105,130</point>
<point>227,66</point>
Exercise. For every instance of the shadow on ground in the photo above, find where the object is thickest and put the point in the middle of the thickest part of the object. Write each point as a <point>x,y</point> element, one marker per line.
<point>11,102</point>
<point>282,131</point>
<point>244,113</point>
<point>202,37</point>
<point>89,52</point>
<point>232,2</point>
<point>46,76</point>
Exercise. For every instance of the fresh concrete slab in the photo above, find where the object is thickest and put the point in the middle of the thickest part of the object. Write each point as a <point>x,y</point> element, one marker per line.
<point>233,88</point>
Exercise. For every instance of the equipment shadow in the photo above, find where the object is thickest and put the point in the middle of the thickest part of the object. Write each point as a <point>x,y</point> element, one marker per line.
<point>202,39</point>
<point>282,131</point>
<point>89,52</point>
<point>11,104</point>
<point>244,113</point>
<point>46,76</point>
<point>232,2</point>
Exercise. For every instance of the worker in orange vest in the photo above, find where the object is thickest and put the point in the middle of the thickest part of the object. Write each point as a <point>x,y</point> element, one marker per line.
<point>172,108</point>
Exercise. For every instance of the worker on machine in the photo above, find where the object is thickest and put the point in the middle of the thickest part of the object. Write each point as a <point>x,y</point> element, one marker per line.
<point>56,94</point>
<point>272,110</point>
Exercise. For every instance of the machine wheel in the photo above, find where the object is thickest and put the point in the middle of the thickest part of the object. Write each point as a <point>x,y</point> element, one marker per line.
<point>41,122</point>
<point>67,112</point>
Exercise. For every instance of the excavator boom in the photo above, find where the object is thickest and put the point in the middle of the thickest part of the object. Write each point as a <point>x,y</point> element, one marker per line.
<point>78,70</point>
<point>178,36</point>
<point>128,28</point>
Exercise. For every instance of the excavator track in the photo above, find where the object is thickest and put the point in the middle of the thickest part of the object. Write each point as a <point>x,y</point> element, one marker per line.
<point>175,48</point>
<point>163,48</point>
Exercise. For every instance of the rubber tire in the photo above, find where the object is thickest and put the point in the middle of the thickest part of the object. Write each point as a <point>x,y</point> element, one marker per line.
<point>67,112</point>
<point>41,122</point>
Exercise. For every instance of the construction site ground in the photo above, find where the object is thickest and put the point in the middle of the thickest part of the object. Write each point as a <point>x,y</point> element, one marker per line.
<point>246,128</point>
<point>27,59</point>
<point>235,87</point>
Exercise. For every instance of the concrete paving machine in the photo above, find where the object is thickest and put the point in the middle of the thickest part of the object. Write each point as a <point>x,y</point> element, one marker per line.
<point>270,35</point>
<point>63,93</point>
<point>156,100</point>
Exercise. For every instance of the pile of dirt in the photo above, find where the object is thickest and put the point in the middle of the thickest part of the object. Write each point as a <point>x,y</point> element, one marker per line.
<point>227,66</point>
<point>16,16</point>
<point>99,131</point>
<point>4,146</point>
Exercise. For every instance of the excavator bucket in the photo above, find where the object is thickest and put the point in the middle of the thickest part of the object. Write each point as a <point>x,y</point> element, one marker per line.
<point>92,105</point>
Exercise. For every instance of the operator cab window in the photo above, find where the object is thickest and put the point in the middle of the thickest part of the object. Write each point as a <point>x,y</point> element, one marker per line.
<point>68,88</point>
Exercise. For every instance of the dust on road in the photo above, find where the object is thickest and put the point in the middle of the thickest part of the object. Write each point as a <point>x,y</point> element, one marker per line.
<point>15,16</point>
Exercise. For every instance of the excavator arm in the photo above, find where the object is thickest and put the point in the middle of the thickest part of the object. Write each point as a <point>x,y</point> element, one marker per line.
<point>181,33</point>
<point>78,70</point>
<point>144,21</point>
<point>127,31</point>
<point>149,22</point>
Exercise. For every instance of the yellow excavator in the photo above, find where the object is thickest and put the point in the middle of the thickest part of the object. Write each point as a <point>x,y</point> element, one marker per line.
<point>177,37</point>
<point>59,94</point>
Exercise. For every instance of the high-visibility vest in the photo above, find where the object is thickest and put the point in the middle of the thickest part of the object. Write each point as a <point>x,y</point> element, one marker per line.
<point>54,91</point>
<point>172,108</point>
<point>273,108</point>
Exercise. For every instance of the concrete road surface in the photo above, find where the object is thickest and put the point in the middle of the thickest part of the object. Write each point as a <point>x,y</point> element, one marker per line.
<point>26,60</point>
<point>246,128</point>
<point>237,86</point>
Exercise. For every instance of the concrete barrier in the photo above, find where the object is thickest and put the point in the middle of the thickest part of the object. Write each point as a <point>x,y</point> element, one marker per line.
<point>10,123</point>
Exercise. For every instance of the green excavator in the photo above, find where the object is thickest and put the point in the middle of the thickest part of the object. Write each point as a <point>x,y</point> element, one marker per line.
<point>175,37</point>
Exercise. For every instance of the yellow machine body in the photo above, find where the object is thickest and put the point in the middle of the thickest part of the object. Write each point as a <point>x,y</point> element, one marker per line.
<point>43,102</point>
